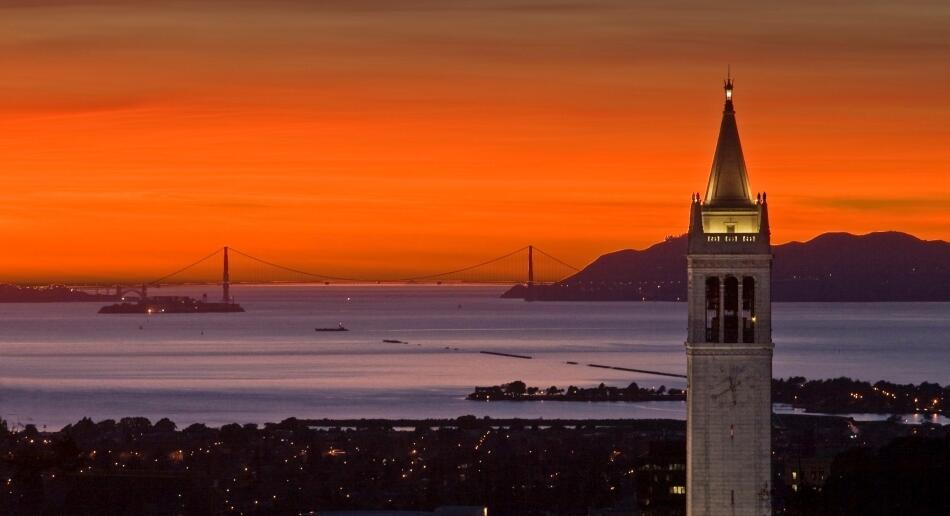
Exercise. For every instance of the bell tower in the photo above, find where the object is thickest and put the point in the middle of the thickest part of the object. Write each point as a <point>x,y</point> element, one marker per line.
<point>729,345</point>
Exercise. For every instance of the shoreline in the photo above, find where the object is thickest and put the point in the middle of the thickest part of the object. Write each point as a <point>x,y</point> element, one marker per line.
<point>464,422</point>
<point>779,411</point>
<point>840,395</point>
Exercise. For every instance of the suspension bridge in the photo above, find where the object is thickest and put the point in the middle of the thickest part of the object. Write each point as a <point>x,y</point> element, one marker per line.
<point>528,265</point>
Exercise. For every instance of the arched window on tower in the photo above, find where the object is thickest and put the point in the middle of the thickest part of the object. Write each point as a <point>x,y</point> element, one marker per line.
<point>712,309</point>
<point>748,309</point>
<point>731,310</point>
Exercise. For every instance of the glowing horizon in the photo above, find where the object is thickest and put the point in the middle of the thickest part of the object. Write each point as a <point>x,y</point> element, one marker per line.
<point>372,138</point>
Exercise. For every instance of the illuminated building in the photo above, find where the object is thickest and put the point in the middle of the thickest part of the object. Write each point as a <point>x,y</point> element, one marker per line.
<point>729,345</point>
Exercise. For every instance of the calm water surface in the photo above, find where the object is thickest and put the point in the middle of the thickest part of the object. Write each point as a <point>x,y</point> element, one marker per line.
<point>60,362</point>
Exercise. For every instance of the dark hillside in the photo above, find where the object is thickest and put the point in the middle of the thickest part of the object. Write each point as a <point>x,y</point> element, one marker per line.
<point>886,266</point>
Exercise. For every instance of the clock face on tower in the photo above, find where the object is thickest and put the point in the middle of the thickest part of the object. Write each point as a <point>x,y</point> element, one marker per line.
<point>732,378</point>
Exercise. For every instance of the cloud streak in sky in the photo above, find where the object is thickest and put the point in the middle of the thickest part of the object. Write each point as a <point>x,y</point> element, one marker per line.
<point>433,123</point>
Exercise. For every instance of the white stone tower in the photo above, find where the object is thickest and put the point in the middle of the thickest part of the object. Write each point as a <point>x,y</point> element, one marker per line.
<point>729,347</point>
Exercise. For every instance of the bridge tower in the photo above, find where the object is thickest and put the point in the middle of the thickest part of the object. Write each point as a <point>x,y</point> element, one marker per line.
<point>226,279</point>
<point>530,295</point>
<point>729,344</point>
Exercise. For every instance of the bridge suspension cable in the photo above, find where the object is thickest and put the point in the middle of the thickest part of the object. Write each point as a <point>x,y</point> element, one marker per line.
<point>185,268</point>
<point>558,260</point>
<point>466,269</point>
<point>293,270</point>
<point>518,266</point>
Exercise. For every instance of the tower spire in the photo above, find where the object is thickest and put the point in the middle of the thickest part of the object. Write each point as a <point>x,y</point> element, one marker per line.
<point>728,185</point>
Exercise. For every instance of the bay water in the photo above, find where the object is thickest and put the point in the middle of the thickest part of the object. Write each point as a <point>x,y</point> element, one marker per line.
<point>60,362</point>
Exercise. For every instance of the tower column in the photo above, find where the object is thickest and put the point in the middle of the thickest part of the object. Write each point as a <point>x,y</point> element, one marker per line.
<point>756,308</point>
<point>722,308</point>
<point>741,315</point>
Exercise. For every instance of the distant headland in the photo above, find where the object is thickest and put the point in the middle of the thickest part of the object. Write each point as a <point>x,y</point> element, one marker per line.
<point>834,396</point>
<point>840,267</point>
<point>49,294</point>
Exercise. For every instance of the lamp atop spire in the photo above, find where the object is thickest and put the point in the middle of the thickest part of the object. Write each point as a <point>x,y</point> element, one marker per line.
<point>727,86</point>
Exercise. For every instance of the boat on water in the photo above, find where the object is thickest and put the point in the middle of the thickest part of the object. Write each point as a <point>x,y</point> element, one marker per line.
<point>170,305</point>
<point>338,328</point>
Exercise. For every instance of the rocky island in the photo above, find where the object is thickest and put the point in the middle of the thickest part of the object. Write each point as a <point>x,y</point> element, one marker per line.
<point>518,391</point>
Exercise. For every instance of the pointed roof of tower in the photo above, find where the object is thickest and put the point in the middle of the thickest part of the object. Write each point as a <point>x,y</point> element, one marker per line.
<point>728,180</point>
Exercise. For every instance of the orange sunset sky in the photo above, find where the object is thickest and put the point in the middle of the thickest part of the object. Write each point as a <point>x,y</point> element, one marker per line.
<point>387,137</point>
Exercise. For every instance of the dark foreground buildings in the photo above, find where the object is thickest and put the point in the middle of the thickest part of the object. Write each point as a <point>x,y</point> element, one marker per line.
<point>821,465</point>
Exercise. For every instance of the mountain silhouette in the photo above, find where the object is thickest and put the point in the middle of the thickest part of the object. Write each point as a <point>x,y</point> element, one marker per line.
<point>883,266</point>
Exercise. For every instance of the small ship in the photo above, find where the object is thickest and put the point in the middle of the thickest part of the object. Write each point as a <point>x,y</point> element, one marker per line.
<point>340,327</point>
<point>178,304</point>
